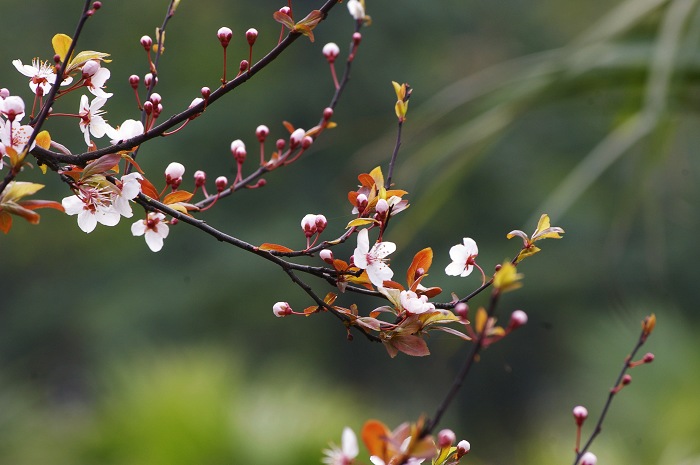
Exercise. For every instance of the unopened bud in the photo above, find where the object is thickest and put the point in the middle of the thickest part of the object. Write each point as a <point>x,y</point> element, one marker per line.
<point>285,10</point>
<point>251,35</point>
<point>321,223</point>
<point>463,448</point>
<point>361,201</point>
<point>382,206</point>
<point>580,414</point>
<point>281,309</point>
<point>196,102</point>
<point>262,132</point>
<point>296,137</point>
<point>4,93</point>
<point>206,92</point>
<point>326,255</point>
<point>146,43</point>
<point>331,51</point>
<point>306,142</point>
<point>224,34</point>
<point>221,182</point>
<point>148,80</point>
<point>327,113</point>
<point>308,224</point>
<point>517,319</point>
<point>588,458</point>
<point>243,66</point>
<point>238,150</point>
<point>648,357</point>
<point>446,438</point>
<point>280,144</point>
<point>200,178</point>
<point>155,98</point>
<point>134,81</point>
<point>356,38</point>
<point>173,174</point>
<point>90,68</point>
<point>462,310</point>
<point>96,5</point>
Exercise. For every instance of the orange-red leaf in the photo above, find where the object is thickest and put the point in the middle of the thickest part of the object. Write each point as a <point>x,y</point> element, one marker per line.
<point>5,222</point>
<point>284,19</point>
<point>374,435</point>
<point>366,180</point>
<point>275,247</point>
<point>422,259</point>
<point>177,196</point>
<point>289,126</point>
<point>149,189</point>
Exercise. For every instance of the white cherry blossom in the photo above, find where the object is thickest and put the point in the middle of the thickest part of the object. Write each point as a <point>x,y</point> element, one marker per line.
<point>373,260</point>
<point>345,454</point>
<point>91,120</point>
<point>153,228</point>
<point>41,74</point>
<point>463,256</point>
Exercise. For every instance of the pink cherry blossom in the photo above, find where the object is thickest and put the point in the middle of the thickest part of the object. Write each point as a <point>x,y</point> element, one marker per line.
<point>414,304</point>
<point>373,260</point>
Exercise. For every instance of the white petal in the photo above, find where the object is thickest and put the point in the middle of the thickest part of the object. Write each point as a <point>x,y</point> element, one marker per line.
<point>459,253</point>
<point>382,249</point>
<point>72,205</point>
<point>471,247</point>
<point>379,272</point>
<point>138,228</point>
<point>87,221</point>
<point>349,442</point>
<point>154,240</point>
<point>454,268</point>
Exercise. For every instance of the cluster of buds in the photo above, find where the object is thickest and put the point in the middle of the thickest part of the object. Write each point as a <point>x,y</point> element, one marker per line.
<point>173,174</point>
<point>312,225</point>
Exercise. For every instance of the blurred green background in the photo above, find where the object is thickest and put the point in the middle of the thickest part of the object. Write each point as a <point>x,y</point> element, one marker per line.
<point>111,354</point>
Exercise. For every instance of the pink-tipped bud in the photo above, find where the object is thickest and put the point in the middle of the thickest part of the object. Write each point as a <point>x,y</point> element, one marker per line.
<point>206,92</point>
<point>648,357</point>
<point>356,38</point>
<point>280,144</point>
<point>382,206</point>
<point>331,51</point>
<point>221,183</point>
<point>626,380</point>
<point>196,102</point>
<point>224,34</point>
<point>238,150</point>
<point>134,81</point>
<point>463,448</point>
<point>327,113</point>
<point>57,58</point>
<point>588,458</point>
<point>361,202</point>
<point>326,255</point>
<point>306,142</point>
<point>580,414</point>
<point>155,98</point>
<point>308,224</point>
<point>157,110</point>
<point>321,223</point>
<point>462,310</point>
<point>446,438</point>
<point>4,93</point>
<point>285,10</point>
<point>243,66</point>
<point>96,5</point>
<point>296,137</point>
<point>517,319</point>
<point>146,43</point>
<point>174,172</point>
<point>90,68</point>
<point>200,178</point>
<point>148,80</point>
<point>281,309</point>
<point>262,132</point>
<point>251,36</point>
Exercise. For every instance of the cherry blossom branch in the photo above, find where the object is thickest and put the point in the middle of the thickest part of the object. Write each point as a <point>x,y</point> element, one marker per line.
<point>623,378</point>
<point>191,112</point>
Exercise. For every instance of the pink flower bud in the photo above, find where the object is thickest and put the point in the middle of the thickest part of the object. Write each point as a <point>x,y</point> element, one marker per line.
<point>224,34</point>
<point>361,202</point>
<point>148,107</point>
<point>280,144</point>
<point>174,172</point>
<point>306,142</point>
<point>308,224</point>
<point>4,93</point>
<point>134,81</point>
<point>206,92</point>
<point>146,43</point>
<point>90,68</point>
<point>13,107</point>
<point>648,357</point>
<point>262,132</point>
<point>588,458</point>
<point>446,438</point>
<point>238,150</point>
<point>243,66</point>
<point>221,183</point>
<point>626,380</point>
<point>327,113</point>
<point>155,98</point>
<point>462,310</point>
<point>382,206</point>
<point>281,309</point>
<point>356,38</point>
<point>463,448</point>
<point>200,178</point>
<point>96,5</point>
<point>580,414</point>
<point>331,51</point>
<point>285,11</point>
<point>196,102</point>
<point>326,255</point>
<point>148,80</point>
<point>296,137</point>
<point>517,319</point>
<point>251,35</point>
<point>321,223</point>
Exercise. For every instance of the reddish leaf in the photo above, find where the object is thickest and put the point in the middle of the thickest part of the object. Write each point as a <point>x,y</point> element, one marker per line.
<point>177,196</point>
<point>275,247</point>
<point>102,164</point>
<point>366,180</point>
<point>284,19</point>
<point>35,204</point>
<point>149,189</point>
<point>289,126</point>
<point>374,435</point>
<point>5,222</point>
<point>410,345</point>
<point>422,259</point>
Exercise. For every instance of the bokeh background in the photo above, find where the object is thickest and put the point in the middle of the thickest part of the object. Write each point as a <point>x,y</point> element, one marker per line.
<point>111,354</point>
